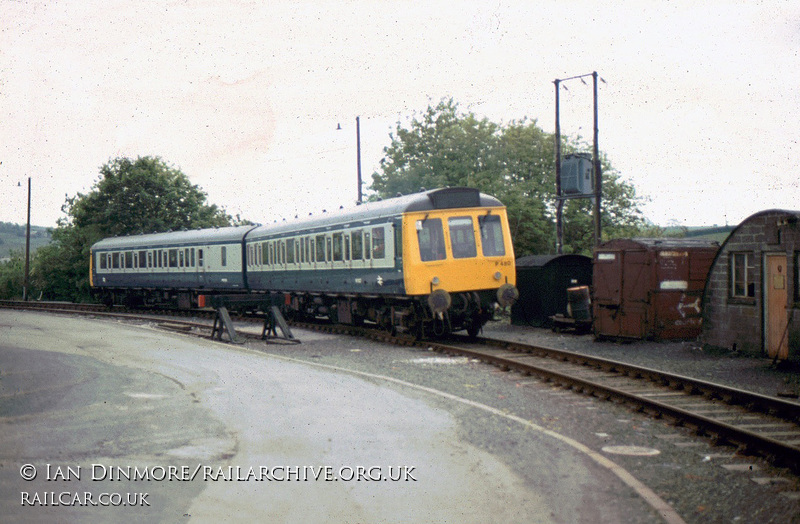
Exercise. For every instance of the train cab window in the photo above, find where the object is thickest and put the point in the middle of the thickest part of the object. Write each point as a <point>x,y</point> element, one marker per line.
<point>462,237</point>
<point>173,258</point>
<point>128,259</point>
<point>102,260</point>
<point>337,247</point>
<point>224,256</point>
<point>378,243</point>
<point>492,236</point>
<point>430,236</point>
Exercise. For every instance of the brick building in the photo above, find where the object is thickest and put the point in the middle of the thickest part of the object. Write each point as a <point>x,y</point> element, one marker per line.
<point>752,294</point>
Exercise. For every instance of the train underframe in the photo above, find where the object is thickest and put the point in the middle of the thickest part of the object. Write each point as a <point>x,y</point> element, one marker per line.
<point>420,316</point>
<point>467,311</point>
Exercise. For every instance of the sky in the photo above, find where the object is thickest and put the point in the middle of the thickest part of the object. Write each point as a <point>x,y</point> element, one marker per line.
<point>699,107</point>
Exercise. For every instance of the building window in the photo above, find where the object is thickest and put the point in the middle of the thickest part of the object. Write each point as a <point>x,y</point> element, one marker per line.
<point>743,283</point>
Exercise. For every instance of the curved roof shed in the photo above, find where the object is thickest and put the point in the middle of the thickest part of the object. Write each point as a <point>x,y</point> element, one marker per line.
<point>752,296</point>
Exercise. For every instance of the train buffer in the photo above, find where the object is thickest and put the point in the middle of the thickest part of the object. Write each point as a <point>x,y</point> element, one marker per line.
<point>261,306</point>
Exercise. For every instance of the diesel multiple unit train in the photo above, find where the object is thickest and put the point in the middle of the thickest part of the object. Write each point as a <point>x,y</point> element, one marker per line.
<point>430,263</point>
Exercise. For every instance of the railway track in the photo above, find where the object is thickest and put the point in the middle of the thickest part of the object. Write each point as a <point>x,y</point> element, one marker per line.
<point>756,424</point>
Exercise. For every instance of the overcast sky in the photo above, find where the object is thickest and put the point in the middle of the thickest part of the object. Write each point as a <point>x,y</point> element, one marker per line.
<point>700,110</point>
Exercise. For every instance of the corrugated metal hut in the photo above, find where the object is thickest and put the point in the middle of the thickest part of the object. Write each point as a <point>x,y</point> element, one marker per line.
<point>650,287</point>
<point>542,281</point>
<point>752,298</point>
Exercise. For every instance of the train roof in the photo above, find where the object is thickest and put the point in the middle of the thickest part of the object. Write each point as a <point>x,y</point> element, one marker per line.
<point>445,198</point>
<point>192,237</point>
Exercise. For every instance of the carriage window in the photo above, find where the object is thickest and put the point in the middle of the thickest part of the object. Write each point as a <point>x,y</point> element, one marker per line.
<point>192,251</point>
<point>337,247</point>
<point>378,243</point>
<point>149,259</point>
<point>367,244</point>
<point>320,248</point>
<point>186,257</point>
<point>264,253</point>
<point>115,260</point>
<point>492,236</point>
<point>108,259</point>
<point>142,258</point>
<point>742,276</point>
<point>358,245</point>
<point>431,239</point>
<point>347,247</point>
<point>173,258</point>
<point>290,251</point>
<point>224,255</point>
<point>180,258</point>
<point>128,259</point>
<point>200,257</point>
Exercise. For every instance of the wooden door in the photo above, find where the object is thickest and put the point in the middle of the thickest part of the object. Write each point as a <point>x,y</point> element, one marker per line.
<point>776,315</point>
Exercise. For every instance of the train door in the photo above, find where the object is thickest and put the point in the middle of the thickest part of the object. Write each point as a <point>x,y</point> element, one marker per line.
<point>776,298</point>
<point>201,267</point>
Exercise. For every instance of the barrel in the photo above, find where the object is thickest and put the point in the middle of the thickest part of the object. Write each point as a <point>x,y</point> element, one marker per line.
<point>579,303</point>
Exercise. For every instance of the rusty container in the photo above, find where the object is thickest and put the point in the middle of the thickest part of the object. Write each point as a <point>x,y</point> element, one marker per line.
<point>650,288</point>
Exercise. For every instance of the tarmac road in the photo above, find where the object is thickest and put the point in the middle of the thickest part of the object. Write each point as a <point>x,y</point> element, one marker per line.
<point>217,432</point>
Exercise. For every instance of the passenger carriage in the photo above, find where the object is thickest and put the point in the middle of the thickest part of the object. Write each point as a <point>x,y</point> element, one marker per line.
<point>431,262</point>
<point>173,268</point>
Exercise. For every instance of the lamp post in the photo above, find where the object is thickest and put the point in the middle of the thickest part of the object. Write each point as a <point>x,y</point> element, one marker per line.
<point>358,155</point>
<point>27,244</point>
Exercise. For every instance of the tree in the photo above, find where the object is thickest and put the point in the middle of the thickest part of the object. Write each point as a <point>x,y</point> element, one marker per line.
<point>11,275</point>
<point>142,196</point>
<point>145,195</point>
<point>514,162</point>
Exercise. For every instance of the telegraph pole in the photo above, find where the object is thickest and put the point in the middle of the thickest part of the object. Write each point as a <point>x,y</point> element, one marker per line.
<point>27,247</point>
